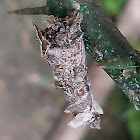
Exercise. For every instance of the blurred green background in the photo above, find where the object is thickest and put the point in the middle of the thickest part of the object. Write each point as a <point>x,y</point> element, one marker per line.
<point>113,8</point>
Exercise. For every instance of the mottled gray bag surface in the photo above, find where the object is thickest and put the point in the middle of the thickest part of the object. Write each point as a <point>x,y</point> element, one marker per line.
<point>61,43</point>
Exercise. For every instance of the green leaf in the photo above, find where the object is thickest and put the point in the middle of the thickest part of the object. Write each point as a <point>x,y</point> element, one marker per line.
<point>59,8</point>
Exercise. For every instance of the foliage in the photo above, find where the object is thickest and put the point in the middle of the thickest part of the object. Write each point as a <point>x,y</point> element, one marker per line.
<point>132,118</point>
<point>113,7</point>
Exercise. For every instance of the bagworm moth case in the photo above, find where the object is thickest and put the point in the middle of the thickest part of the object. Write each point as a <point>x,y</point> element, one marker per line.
<point>61,44</point>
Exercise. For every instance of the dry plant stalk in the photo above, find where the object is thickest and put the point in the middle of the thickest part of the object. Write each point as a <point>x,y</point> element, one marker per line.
<point>61,43</point>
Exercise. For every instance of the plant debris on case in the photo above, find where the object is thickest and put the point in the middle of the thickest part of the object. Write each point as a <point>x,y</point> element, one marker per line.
<point>61,44</point>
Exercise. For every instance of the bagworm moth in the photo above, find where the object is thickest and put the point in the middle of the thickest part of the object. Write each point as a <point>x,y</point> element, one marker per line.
<point>61,44</point>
